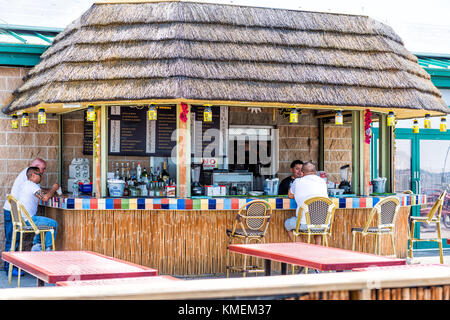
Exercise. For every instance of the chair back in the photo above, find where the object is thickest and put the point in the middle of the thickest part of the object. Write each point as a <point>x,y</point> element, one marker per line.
<point>17,209</point>
<point>255,215</point>
<point>436,209</point>
<point>386,211</point>
<point>319,212</point>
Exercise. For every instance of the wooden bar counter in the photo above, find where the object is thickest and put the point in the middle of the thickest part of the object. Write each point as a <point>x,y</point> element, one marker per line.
<point>187,236</point>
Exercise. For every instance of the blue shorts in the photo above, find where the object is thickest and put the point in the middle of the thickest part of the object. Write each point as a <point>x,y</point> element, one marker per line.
<point>291,223</point>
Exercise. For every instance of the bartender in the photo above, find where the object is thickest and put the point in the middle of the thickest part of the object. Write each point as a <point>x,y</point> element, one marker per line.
<point>296,172</point>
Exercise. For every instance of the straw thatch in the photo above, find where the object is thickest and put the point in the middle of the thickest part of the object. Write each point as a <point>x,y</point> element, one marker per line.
<point>170,50</point>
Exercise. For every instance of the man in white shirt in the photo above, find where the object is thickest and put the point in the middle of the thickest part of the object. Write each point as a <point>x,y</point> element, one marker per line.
<point>29,196</point>
<point>310,185</point>
<point>18,182</point>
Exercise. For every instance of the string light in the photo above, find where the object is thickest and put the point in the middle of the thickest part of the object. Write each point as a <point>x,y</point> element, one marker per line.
<point>390,118</point>
<point>443,125</point>
<point>90,115</point>
<point>152,113</point>
<point>14,122</point>
<point>293,116</point>
<point>427,121</point>
<point>207,113</point>
<point>415,126</point>
<point>338,118</point>
<point>42,118</point>
<point>25,121</point>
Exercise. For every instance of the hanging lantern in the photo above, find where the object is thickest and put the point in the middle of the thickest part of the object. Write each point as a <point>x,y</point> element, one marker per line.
<point>25,122</point>
<point>338,118</point>
<point>427,121</point>
<point>293,116</point>
<point>90,115</point>
<point>443,125</point>
<point>152,113</point>
<point>415,126</point>
<point>42,118</point>
<point>207,113</point>
<point>390,119</point>
<point>14,122</point>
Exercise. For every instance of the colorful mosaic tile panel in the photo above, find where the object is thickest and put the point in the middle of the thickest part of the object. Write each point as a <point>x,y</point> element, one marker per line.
<point>210,204</point>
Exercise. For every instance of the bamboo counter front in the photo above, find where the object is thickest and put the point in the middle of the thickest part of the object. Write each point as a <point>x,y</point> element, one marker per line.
<point>187,236</point>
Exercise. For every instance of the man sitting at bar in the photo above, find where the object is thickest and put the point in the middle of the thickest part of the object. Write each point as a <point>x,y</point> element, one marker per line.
<point>296,172</point>
<point>29,196</point>
<point>310,185</point>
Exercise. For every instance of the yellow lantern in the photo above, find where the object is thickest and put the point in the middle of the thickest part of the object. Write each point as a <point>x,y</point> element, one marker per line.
<point>42,118</point>
<point>293,116</point>
<point>25,122</point>
<point>14,122</point>
<point>207,113</point>
<point>415,126</point>
<point>338,118</point>
<point>152,113</point>
<point>90,115</point>
<point>390,119</point>
<point>443,125</point>
<point>427,121</point>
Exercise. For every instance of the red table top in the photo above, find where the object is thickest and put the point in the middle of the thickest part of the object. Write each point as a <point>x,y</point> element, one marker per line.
<point>139,281</point>
<point>54,266</point>
<point>314,256</point>
<point>425,266</point>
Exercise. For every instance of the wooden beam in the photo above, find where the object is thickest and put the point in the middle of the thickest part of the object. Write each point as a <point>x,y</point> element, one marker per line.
<point>183,152</point>
<point>103,149</point>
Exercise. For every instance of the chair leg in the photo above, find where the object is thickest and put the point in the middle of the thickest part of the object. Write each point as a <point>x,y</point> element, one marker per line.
<point>441,256</point>
<point>244,268</point>
<point>411,239</point>
<point>13,248</point>
<point>353,240</point>
<point>18,269</point>
<point>53,240</point>
<point>228,257</point>
<point>42,241</point>
<point>379,244</point>
<point>393,245</point>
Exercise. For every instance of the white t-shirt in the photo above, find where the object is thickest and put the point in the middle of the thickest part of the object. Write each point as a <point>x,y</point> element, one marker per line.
<point>27,197</point>
<point>17,185</point>
<point>307,187</point>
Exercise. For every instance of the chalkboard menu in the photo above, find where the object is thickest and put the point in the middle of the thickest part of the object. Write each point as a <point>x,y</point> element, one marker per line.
<point>132,134</point>
<point>200,132</point>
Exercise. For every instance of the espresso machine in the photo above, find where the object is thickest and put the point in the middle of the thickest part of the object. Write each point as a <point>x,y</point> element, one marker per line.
<point>345,182</point>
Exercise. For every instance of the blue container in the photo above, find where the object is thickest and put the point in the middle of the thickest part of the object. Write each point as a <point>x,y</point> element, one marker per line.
<point>86,188</point>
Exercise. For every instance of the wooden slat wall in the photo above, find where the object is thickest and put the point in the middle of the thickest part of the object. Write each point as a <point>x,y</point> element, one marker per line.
<point>190,242</point>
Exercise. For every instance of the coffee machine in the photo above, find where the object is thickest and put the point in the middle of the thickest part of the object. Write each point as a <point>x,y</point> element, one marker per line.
<point>196,189</point>
<point>345,183</point>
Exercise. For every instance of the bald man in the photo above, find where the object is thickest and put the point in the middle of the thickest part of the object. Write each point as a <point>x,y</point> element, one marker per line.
<point>310,185</point>
<point>15,191</point>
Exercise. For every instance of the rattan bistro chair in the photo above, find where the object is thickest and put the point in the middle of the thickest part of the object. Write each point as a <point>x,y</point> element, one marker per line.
<point>386,211</point>
<point>250,224</point>
<point>319,214</point>
<point>20,226</point>
<point>433,217</point>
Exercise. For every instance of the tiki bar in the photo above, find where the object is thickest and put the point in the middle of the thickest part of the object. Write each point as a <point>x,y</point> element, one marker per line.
<point>173,115</point>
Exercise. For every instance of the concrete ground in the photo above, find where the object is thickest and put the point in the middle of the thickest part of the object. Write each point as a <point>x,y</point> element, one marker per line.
<point>420,256</point>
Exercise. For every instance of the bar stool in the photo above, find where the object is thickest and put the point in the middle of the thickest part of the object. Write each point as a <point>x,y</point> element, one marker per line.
<point>386,211</point>
<point>20,226</point>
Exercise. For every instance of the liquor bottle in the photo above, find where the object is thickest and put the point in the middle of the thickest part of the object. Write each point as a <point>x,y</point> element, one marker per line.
<point>151,190</point>
<point>128,172</point>
<point>138,172</point>
<point>164,174</point>
<point>117,172</point>
<point>122,171</point>
<point>151,175</point>
<point>157,194</point>
<point>133,170</point>
<point>158,175</point>
<point>144,175</point>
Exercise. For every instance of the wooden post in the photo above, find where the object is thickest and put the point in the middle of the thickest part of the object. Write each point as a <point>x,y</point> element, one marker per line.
<point>357,153</point>
<point>103,149</point>
<point>183,151</point>
<point>60,148</point>
<point>96,153</point>
<point>386,165</point>
<point>366,161</point>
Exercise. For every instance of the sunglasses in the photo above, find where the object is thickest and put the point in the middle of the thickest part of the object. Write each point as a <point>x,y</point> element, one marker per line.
<point>39,174</point>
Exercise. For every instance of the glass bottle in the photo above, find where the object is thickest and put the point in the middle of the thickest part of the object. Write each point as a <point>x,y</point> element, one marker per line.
<point>164,174</point>
<point>144,175</point>
<point>117,172</point>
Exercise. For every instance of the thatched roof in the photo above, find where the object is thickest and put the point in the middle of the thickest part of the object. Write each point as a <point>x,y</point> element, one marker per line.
<point>171,50</point>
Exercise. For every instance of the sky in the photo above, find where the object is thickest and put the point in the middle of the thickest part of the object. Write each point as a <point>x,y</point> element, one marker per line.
<point>423,26</point>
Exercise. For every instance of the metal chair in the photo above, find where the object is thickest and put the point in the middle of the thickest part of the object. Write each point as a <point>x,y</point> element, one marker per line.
<point>250,224</point>
<point>20,226</point>
<point>319,214</point>
<point>433,217</point>
<point>386,211</point>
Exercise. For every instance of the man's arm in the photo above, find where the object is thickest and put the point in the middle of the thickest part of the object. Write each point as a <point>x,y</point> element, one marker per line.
<point>44,195</point>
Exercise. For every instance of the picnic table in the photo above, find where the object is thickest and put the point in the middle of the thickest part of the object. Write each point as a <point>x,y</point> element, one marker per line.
<point>54,266</point>
<point>313,256</point>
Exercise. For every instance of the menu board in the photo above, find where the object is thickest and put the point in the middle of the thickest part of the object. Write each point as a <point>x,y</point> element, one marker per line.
<point>210,140</point>
<point>88,136</point>
<point>132,134</point>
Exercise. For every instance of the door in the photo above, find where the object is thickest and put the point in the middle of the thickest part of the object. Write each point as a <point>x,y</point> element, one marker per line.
<point>422,164</point>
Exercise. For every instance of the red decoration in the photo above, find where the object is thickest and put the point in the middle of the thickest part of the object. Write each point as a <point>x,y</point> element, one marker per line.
<point>184,112</point>
<point>367,122</point>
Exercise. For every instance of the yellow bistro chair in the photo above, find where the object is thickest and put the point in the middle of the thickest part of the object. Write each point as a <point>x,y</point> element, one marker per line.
<point>433,217</point>
<point>250,224</point>
<point>319,214</point>
<point>20,226</point>
<point>386,212</point>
